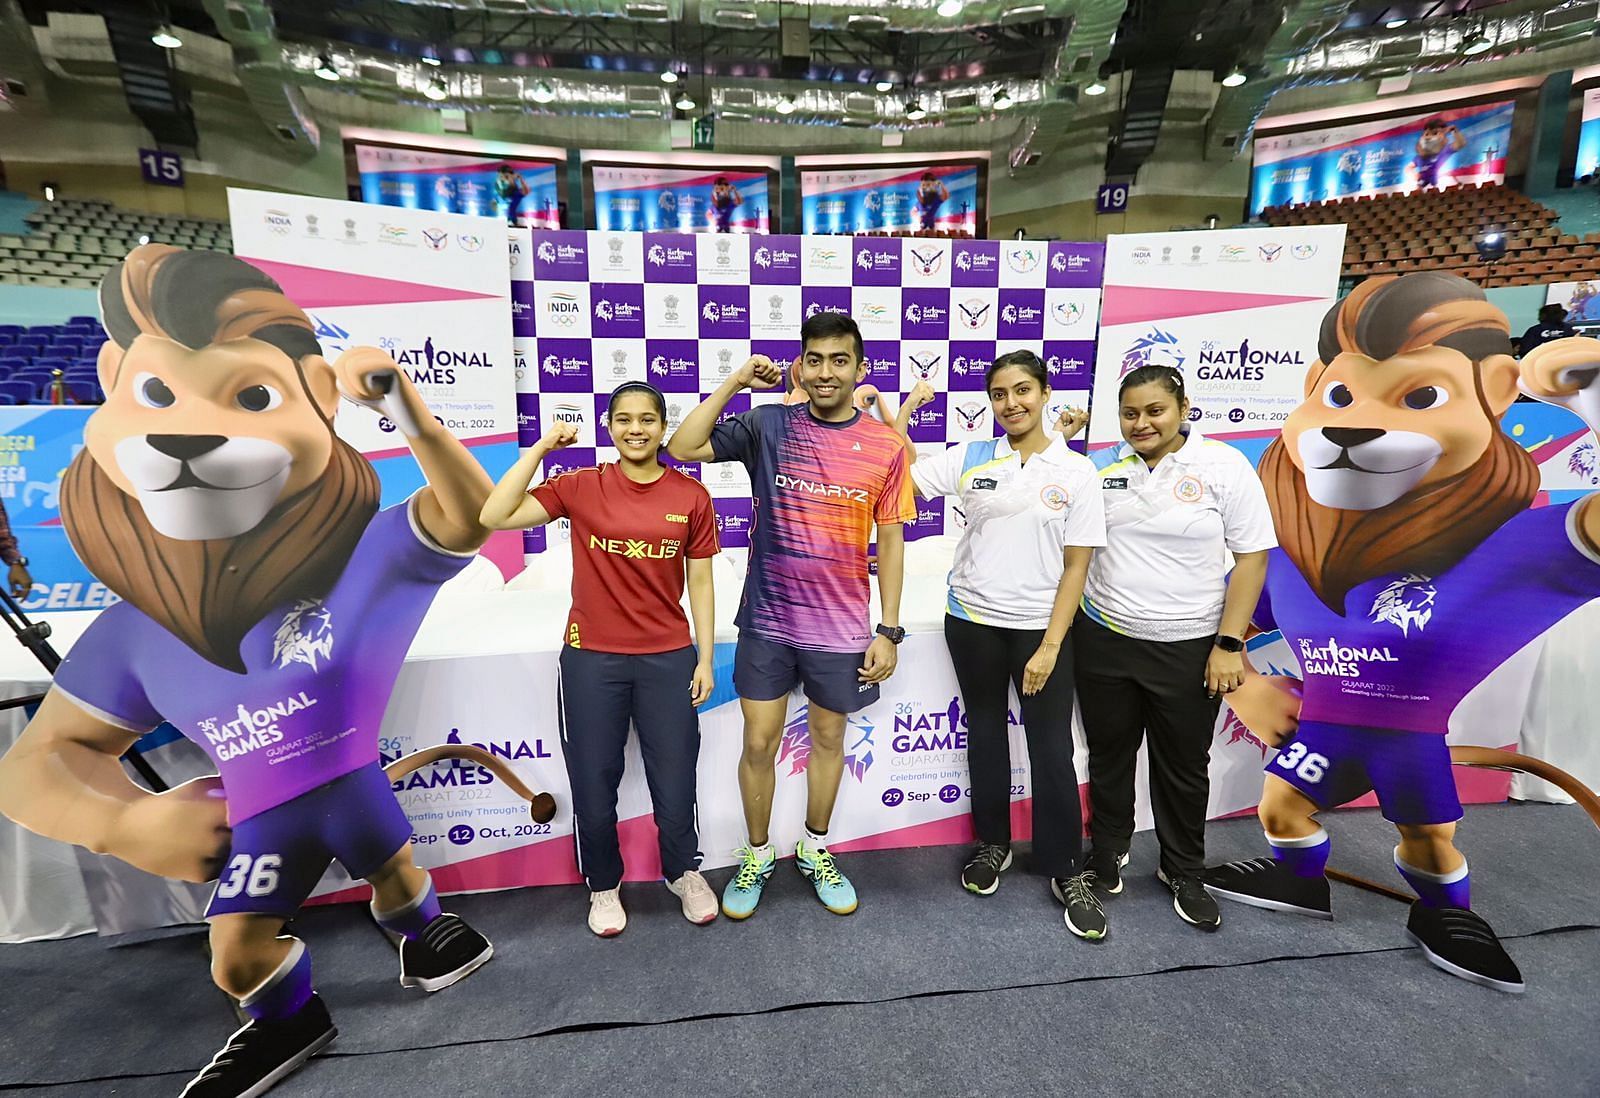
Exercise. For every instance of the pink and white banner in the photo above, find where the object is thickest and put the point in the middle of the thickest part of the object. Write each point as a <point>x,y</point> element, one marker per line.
<point>1237,311</point>
<point>432,289</point>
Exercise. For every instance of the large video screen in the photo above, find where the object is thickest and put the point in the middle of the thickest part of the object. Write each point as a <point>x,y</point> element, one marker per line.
<point>520,190</point>
<point>683,200</point>
<point>942,197</point>
<point>1445,148</point>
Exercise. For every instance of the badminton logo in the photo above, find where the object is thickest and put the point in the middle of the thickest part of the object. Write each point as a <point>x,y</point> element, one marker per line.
<point>796,744</point>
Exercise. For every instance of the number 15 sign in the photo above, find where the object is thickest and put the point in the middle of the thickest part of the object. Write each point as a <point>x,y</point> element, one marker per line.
<point>158,166</point>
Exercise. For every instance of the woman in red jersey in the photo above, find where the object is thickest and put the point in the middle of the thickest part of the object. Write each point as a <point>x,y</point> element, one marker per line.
<point>638,528</point>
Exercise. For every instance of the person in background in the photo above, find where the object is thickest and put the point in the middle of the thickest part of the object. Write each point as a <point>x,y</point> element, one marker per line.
<point>1161,636</point>
<point>19,579</point>
<point>1034,517</point>
<point>1552,325</point>
<point>638,528</point>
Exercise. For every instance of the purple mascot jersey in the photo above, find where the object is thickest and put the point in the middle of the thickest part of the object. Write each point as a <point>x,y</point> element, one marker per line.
<point>1409,647</point>
<point>320,672</point>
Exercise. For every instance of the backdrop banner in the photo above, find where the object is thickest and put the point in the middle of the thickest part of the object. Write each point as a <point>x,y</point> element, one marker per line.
<point>463,183</point>
<point>1589,136</point>
<point>36,446</point>
<point>904,198</point>
<point>432,289</point>
<point>1236,310</point>
<point>596,309</point>
<point>905,781</point>
<point>687,200</point>
<point>1383,156</point>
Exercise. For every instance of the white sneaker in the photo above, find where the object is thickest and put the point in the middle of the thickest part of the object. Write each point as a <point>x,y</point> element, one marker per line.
<point>699,902</point>
<point>606,917</point>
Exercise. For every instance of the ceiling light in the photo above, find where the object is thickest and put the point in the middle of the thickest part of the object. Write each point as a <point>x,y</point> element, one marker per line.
<point>431,61</point>
<point>1096,88</point>
<point>915,111</point>
<point>668,76</point>
<point>1395,24</point>
<point>949,9</point>
<point>786,105</point>
<point>1234,79</point>
<point>884,85</point>
<point>166,38</point>
<point>684,103</point>
<point>1002,100</point>
<point>541,93</point>
<point>1475,45</point>
<point>435,89</point>
<point>325,68</point>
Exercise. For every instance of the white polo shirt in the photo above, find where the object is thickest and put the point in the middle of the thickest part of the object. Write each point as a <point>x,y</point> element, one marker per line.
<point>1169,532</point>
<point>1019,519</point>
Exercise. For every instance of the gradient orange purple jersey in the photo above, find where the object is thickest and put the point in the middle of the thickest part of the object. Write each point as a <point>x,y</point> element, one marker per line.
<point>819,488</point>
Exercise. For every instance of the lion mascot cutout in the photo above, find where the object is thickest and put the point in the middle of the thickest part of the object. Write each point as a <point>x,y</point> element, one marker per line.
<point>1410,566</point>
<point>269,604</point>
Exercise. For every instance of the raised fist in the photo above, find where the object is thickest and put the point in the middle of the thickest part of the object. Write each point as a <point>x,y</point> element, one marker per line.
<point>560,435</point>
<point>1071,421</point>
<point>922,393</point>
<point>758,372</point>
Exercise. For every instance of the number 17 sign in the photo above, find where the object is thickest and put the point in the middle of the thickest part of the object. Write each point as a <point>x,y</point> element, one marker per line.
<point>1111,198</point>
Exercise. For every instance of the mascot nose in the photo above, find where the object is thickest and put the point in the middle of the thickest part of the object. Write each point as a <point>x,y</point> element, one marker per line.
<point>185,447</point>
<point>1346,437</point>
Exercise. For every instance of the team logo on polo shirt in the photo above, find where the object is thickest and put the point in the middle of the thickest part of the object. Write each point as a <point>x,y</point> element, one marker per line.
<point>1114,482</point>
<point>982,484</point>
<point>1053,496</point>
<point>1188,490</point>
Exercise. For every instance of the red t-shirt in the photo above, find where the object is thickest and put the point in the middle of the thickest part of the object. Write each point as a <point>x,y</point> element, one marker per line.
<point>629,541</point>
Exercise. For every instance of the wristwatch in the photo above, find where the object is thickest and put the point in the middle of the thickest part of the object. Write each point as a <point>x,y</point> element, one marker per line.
<point>1229,644</point>
<point>895,633</point>
<point>23,561</point>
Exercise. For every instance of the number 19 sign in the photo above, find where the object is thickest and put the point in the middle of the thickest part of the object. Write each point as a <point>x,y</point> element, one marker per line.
<point>159,166</point>
<point>1111,198</point>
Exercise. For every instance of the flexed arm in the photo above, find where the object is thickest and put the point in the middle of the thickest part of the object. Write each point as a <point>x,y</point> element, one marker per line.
<point>1567,372</point>
<point>448,508</point>
<point>63,779</point>
<point>510,506</point>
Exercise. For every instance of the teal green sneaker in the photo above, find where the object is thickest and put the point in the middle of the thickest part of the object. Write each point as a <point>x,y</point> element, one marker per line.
<point>834,889</point>
<point>743,893</point>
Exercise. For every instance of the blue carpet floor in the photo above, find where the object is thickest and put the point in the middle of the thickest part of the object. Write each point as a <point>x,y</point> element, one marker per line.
<point>924,990</point>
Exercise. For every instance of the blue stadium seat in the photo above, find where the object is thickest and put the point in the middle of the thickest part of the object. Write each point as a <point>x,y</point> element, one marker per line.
<point>15,392</point>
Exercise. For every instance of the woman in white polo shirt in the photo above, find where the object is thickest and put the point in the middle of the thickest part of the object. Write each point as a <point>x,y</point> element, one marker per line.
<point>1033,518</point>
<point>1160,639</point>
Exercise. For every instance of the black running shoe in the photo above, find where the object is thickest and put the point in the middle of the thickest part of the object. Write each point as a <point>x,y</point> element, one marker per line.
<point>260,1054</point>
<point>1085,917</point>
<point>1191,901</point>
<point>1265,882</point>
<point>982,872</point>
<point>447,951</point>
<point>1107,869</point>
<point>1460,942</point>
